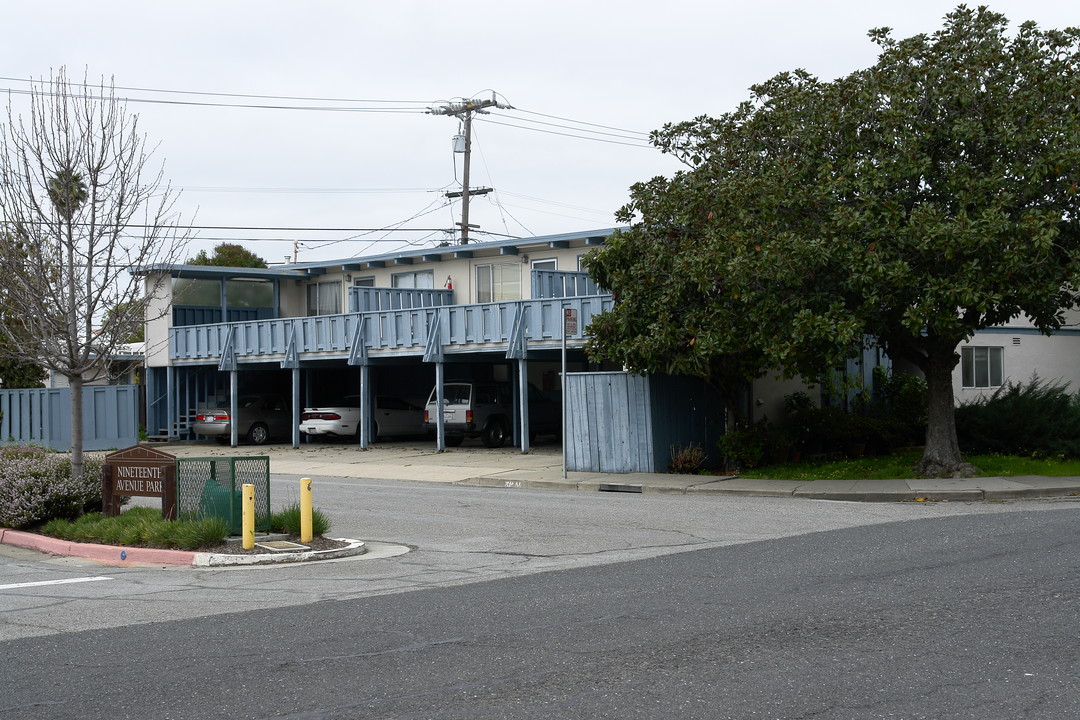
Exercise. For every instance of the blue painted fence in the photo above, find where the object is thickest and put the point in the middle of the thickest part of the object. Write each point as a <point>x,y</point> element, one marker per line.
<point>43,417</point>
<point>623,423</point>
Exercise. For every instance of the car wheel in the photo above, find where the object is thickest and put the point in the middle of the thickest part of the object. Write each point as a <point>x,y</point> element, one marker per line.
<point>496,432</point>
<point>454,440</point>
<point>258,434</point>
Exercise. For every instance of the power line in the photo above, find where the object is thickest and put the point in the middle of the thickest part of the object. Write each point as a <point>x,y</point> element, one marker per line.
<point>300,190</point>
<point>191,188</point>
<point>581,122</point>
<point>167,226</point>
<point>624,134</point>
<point>554,202</point>
<point>579,137</point>
<point>310,243</point>
<point>424,103</point>
<point>399,110</point>
<point>316,108</point>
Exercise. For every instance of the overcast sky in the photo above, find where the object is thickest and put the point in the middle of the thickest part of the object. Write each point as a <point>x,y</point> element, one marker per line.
<point>588,81</point>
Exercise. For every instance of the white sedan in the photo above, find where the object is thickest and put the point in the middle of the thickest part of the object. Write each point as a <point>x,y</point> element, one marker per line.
<point>394,417</point>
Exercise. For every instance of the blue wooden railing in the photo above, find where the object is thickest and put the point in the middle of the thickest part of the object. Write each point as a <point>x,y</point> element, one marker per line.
<point>403,331</point>
<point>560,283</point>
<point>366,299</point>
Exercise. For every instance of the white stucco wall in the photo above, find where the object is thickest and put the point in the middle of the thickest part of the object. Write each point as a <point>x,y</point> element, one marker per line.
<point>461,272</point>
<point>1025,351</point>
<point>769,393</point>
<point>158,319</point>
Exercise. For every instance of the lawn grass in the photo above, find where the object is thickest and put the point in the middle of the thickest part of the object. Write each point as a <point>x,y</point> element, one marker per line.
<point>900,466</point>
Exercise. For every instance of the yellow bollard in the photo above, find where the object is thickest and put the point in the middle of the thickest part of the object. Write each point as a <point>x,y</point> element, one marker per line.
<point>305,510</point>
<point>248,516</point>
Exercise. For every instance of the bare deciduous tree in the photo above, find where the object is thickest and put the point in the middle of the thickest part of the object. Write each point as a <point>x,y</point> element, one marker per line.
<point>79,206</point>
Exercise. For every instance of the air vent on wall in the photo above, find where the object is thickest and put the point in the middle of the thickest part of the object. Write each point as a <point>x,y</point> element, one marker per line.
<point>1016,341</point>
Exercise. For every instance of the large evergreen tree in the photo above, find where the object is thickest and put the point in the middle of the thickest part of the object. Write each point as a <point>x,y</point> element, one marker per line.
<point>916,201</point>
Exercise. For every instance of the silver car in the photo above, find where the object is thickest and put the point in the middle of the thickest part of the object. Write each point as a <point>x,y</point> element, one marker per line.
<point>258,419</point>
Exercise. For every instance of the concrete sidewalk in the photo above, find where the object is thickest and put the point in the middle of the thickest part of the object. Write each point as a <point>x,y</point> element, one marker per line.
<point>542,469</point>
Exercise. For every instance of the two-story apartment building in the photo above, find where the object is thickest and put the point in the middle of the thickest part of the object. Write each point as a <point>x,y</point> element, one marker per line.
<point>403,322</point>
<point>397,323</point>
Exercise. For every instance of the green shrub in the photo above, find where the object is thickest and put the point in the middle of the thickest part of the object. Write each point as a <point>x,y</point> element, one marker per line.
<point>902,399</point>
<point>288,521</point>
<point>894,417</point>
<point>1037,420</point>
<point>822,429</point>
<point>36,486</point>
<point>750,446</point>
<point>141,527</point>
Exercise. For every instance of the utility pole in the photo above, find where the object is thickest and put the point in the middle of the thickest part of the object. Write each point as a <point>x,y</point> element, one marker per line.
<point>464,111</point>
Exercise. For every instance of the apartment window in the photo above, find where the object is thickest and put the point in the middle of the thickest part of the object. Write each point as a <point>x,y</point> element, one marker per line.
<point>981,367</point>
<point>424,279</point>
<point>324,298</point>
<point>545,264</point>
<point>367,281</point>
<point>496,283</point>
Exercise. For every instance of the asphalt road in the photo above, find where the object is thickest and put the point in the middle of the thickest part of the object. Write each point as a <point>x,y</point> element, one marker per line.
<point>458,535</point>
<point>968,612</point>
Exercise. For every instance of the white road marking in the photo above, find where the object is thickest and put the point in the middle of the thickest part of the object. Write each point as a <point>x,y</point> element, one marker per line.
<point>54,582</point>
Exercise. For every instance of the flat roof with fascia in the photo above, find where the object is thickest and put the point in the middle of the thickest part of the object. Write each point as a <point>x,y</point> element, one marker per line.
<point>427,254</point>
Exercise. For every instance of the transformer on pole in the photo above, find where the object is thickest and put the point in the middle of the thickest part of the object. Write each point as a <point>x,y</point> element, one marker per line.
<point>464,110</point>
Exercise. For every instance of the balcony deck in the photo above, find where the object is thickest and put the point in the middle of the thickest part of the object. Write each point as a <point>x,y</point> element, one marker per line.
<point>506,327</point>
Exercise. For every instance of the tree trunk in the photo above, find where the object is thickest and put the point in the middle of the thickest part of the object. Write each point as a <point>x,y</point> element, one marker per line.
<point>941,457</point>
<point>76,386</point>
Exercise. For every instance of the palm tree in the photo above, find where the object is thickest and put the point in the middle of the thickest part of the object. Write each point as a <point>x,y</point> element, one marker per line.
<point>67,192</point>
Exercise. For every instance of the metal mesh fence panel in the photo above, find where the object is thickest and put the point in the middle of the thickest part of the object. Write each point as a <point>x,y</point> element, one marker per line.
<point>211,487</point>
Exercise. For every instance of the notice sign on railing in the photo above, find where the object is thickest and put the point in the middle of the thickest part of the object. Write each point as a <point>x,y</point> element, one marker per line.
<point>139,471</point>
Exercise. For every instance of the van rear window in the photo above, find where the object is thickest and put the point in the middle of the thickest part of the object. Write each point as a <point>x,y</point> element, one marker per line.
<point>457,394</point>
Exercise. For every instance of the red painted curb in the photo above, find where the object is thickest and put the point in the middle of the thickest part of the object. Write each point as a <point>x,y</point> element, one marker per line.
<point>107,554</point>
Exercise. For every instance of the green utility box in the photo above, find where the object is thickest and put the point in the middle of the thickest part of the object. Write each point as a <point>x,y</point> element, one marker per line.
<point>211,487</point>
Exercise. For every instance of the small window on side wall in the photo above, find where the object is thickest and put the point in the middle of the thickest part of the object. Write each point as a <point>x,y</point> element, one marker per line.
<point>981,367</point>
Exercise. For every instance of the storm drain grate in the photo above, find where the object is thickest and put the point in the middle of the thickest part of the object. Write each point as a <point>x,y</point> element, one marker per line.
<point>282,546</point>
<point>619,487</point>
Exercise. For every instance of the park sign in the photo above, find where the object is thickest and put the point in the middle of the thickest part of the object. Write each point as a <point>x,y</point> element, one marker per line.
<point>139,471</point>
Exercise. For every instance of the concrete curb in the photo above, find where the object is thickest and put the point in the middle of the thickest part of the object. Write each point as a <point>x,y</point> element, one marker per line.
<point>846,490</point>
<point>105,554</point>
<point>128,556</point>
<point>355,547</point>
